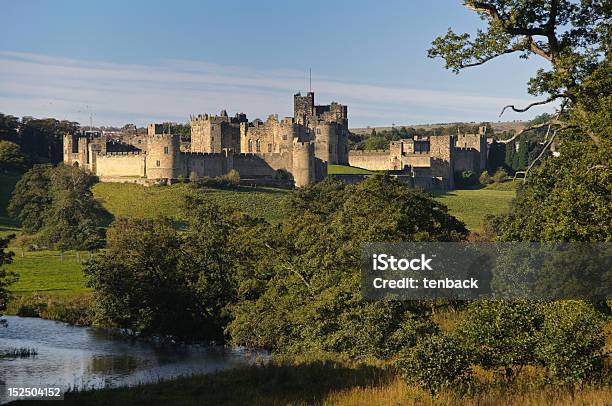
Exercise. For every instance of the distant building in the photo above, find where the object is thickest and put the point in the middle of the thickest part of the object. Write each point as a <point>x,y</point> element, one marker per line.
<point>299,147</point>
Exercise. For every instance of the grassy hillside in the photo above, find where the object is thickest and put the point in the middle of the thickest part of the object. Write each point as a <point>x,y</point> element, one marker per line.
<point>471,206</point>
<point>130,200</point>
<point>346,170</point>
<point>45,272</point>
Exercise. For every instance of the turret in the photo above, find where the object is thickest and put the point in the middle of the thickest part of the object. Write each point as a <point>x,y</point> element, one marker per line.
<point>163,156</point>
<point>303,163</point>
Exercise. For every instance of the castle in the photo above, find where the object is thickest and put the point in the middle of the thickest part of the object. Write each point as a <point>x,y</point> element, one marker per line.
<point>429,162</point>
<point>298,147</point>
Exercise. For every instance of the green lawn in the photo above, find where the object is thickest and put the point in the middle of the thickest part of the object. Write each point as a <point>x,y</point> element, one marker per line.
<point>471,206</point>
<point>346,170</point>
<point>131,200</point>
<point>44,272</point>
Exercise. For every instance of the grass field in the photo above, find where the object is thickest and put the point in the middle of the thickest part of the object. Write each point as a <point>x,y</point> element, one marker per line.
<point>346,170</point>
<point>130,200</point>
<point>471,206</point>
<point>45,272</point>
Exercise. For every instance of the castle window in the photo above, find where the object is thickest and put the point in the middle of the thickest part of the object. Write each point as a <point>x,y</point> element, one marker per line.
<point>165,151</point>
<point>157,163</point>
<point>329,148</point>
<point>318,130</point>
<point>269,147</point>
<point>258,146</point>
<point>284,137</point>
<point>250,145</point>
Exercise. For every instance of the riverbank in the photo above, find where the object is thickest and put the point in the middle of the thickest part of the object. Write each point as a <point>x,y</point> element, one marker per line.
<point>327,381</point>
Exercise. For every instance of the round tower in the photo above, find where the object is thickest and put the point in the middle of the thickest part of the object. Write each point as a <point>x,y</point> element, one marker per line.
<point>303,163</point>
<point>163,156</point>
<point>326,142</point>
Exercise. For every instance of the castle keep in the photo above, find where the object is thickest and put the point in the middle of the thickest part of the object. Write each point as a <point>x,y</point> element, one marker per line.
<point>430,161</point>
<point>298,147</point>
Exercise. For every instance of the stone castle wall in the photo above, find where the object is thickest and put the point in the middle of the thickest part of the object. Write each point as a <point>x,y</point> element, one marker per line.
<point>121,164</point>
<point>374,160</point>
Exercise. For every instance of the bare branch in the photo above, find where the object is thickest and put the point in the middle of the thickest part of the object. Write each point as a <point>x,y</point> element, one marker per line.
<point>546,147</point>
<point>524,130</point>
<point>539,103</point>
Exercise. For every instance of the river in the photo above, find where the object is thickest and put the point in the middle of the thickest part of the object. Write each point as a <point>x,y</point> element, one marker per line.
<point>85,357</point>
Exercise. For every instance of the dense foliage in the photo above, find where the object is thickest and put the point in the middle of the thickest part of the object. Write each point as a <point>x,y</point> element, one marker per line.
<point>57,205</point>
<point>6,278</point>
<point>39,140</point>
<point>292,287</point>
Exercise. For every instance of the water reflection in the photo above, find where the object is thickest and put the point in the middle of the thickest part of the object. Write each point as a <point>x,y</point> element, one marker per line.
<point>81,357</point>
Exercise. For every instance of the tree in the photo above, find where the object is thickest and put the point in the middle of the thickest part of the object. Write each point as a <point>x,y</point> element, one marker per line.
<point>9,128</point>
<point>6,278</point>
<point>572,36</point>
<point>11,158</point>
<point>137,283</point>
<point>306,293</point>
<point>376,142</point>
<point>31,198</point>
<point>72,220</point>
<point>42,139</point>
<point>567,197</point>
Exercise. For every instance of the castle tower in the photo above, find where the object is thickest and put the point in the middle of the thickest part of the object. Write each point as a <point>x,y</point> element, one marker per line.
<point>326,142</point>
<point>303,163</point>
<point>303,108</point>
<point>75,150</point>
<point>163,157</point>
<point>440,150</point>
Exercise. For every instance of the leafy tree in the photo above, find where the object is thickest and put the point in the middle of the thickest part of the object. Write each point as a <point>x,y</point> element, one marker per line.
<point>11,157</point>
<point>42,139</point>
<point>9,128</point>
<point>137,282</point>
<point>502,334</point>
<point>571,342</point>
<point>6,278</point>
<point>31,198</point>
<point>308,298</point>
<point>376,142</point>
<point>566,197</point>
<point>437,363</point>
<point>72,220</point>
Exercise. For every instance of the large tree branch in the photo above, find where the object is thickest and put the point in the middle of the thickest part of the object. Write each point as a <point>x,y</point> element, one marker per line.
<point>538,103</point>
<point>482,7</point>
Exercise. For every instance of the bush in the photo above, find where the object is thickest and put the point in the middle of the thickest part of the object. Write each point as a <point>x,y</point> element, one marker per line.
<point>485,178</point>
<point>436,363</point>
<point>500,175</point>
<point>502,334</point>
<point>465,179</point>
<point>571,342</point>
<point>231,180</point>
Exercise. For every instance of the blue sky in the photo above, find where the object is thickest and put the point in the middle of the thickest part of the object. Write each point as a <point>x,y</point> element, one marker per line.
<point>146,61</point>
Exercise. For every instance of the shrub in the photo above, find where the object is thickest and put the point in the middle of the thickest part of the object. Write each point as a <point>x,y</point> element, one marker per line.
<point>232,177</point>
<point>436,363</point>
<point>485,178</point>
<point>502,334</point>
<point>500,175</point>
<point>571,342</point>
<point>466,179</point>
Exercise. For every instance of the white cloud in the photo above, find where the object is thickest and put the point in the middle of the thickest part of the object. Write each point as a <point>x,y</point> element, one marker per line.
<point>42,85</point>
